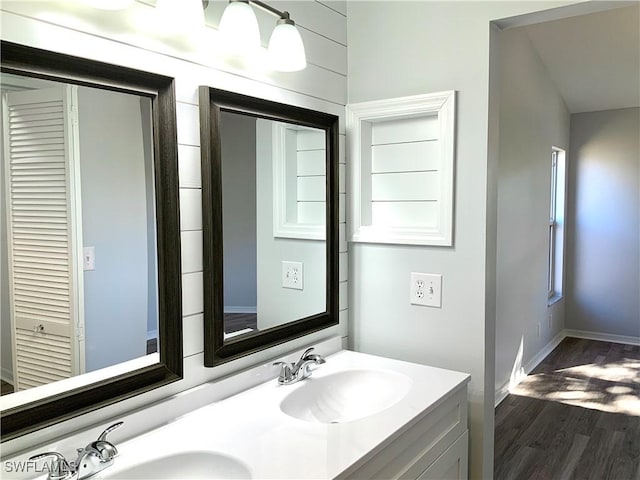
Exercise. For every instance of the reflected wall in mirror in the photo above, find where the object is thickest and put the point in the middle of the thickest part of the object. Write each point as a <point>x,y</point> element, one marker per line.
<point>270,222</point>
<point>90,256</point>
<point>77,224</point>
<point>269,279</point>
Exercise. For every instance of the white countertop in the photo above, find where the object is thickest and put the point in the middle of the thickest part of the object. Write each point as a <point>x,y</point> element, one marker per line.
<point>251,427</point>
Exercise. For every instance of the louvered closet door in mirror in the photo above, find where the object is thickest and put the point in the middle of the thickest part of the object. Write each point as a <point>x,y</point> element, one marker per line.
<point>40,134</point>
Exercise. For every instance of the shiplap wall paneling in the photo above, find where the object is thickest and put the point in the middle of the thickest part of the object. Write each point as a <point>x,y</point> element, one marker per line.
<point>402,169</point>
<point>404,172</point>
<point>310,171</point>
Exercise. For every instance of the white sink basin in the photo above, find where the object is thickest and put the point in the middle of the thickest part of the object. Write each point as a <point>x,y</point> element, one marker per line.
<point>183,465</point>
<point>345,396</point>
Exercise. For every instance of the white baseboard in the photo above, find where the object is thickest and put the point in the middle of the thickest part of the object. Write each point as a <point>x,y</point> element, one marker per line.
<point>240,309</point>
<point>236,333</point>
<point>603,337</point>
<point>501,393</point>
<point>503,390</point>
<point>546,350</point>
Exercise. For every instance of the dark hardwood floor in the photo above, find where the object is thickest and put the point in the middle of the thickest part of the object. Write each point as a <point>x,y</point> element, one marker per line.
<point>576,416</point>
<point>5,388</point>
<point>152,345</point>
<point>234,322</point>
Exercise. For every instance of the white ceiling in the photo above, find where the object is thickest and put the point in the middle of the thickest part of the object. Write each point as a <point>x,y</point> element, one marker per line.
<point>593,59</point>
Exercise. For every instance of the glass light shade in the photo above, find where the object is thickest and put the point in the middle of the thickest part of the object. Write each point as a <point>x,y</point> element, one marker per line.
<point>238,29</point>
<point>286,50</point>
<point>180,16</point>
<point>109,4</point>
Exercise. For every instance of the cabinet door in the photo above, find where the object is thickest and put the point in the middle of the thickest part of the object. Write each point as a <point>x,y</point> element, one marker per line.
<point>452,464</point>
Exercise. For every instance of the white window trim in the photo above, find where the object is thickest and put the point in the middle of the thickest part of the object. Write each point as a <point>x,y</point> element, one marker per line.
<point>552,224</point>
<point>556,251</point>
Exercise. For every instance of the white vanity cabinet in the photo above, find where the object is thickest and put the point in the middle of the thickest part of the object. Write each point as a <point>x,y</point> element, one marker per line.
<point>434,446</point>
<point>358,416</point>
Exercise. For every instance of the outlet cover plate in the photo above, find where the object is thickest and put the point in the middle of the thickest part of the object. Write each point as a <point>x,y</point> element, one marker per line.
<point>426,289</point>
<point>292,275</point>
<point>89,258</point>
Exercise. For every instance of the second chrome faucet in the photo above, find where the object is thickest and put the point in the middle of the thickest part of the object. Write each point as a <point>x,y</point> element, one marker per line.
<point>294,372</point>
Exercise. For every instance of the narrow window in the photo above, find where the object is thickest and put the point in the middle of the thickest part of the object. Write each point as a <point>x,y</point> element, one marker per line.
<point>556,224</point>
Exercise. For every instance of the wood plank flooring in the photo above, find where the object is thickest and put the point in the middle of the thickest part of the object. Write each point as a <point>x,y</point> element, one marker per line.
<point>234,322</point>
<point>576,416</point>
<point>5,388</point>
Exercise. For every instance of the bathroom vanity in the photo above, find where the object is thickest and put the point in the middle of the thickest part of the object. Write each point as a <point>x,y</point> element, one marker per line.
<point>356,416</point>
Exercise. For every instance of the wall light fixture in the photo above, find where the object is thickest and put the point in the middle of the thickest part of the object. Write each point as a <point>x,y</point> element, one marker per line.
<point>238,28</point>
<point>239,31</point>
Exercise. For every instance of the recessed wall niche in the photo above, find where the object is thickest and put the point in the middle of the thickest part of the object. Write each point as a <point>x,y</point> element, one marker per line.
<point>299,182</point>
<point>401,154</point>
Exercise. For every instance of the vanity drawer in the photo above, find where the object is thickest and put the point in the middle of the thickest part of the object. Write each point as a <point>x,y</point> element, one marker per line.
<point>452,464</point>
<point>414,450</point>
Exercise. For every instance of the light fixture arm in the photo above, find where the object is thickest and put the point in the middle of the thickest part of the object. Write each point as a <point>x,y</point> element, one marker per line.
<point>267,8</point>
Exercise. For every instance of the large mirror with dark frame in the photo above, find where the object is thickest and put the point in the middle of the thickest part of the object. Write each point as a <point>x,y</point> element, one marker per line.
<point>270,222</point>
<point>90,283</point>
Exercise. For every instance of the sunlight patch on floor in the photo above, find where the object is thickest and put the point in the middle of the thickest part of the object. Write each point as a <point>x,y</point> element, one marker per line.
<point>625,371</point>
<point>612,387</point>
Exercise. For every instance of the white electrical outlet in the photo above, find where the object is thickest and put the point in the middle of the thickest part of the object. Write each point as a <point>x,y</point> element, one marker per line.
<point>292,275</point>
<point>426,289</point>
<point>538,332</point>
<point>550,320</point>
<point>89,258</point>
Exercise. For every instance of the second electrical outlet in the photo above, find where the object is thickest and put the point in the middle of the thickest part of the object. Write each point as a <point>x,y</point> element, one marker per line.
<point>426,289</point>
<point>292,275</point>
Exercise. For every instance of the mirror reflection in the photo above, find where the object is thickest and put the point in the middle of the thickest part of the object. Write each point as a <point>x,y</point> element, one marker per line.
<point>273,222</point>
<point>78,260</point>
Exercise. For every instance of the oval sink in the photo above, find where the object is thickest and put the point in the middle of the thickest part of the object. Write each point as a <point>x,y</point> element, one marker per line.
<point>184,465</point>
<point>345,396</point>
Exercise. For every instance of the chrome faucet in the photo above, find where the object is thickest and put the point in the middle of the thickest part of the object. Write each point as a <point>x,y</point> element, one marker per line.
<point>294,372</point>
<point>91,459</point>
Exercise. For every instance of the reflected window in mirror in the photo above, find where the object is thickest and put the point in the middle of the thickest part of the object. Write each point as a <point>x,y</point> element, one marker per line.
<point>90,284</point>
<point>270,222</point>
<point>77,222</point>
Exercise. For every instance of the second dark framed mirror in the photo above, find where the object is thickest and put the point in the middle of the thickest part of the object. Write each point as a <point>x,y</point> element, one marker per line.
<point>270,222</point>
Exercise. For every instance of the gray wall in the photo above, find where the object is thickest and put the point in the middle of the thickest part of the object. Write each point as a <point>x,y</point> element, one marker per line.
<point>603,277</point>
<point>431,47</point>
<point>239,210</point>
<point>114,221</point>
<point>533,119</point>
